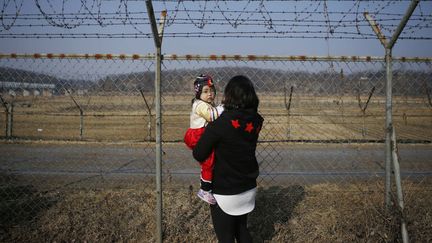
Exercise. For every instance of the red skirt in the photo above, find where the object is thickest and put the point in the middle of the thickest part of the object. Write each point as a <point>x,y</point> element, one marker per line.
<point>191,139</point>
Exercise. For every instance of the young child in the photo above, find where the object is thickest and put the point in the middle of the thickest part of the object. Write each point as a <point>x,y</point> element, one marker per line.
<point>203,112</point>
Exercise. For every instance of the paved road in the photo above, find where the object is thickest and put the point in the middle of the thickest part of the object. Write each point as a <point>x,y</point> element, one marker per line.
<point>309,162</point>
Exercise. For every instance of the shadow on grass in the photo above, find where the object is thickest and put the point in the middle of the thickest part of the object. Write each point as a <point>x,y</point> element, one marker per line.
<point>20,205</point>
<point>274,205</point>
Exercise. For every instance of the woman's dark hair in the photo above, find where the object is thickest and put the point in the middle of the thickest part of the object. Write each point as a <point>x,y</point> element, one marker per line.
<point>240,94</point>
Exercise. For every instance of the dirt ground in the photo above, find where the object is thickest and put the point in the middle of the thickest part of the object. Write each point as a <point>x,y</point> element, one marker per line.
<point>293,213</point>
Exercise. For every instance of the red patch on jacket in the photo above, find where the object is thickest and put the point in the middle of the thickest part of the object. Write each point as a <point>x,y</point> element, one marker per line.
<point>235,123</point>
<point>249,127</point>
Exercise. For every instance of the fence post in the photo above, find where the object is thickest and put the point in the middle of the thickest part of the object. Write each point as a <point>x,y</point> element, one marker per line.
<point>288,108</point>
<point>399,192</point>
<point>363,108</point>
<point>149,127</point>
<point>388,126</point>
<point>390,133</point>
<point>81,114</point>
<point>428,94</point>
<point>9,132</point>
<point>388,106</point>
<point>81,123</point>
<point>9,116</point>
<point>157,37</point>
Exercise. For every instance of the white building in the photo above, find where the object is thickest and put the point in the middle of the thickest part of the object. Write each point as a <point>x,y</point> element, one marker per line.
<point>26,89</point>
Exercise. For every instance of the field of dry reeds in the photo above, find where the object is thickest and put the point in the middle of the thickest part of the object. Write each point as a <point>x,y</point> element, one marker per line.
<point>324,212</point>
<point>292,213</point>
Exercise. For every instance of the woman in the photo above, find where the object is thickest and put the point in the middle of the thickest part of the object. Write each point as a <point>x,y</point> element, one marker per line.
<point>233,136</point>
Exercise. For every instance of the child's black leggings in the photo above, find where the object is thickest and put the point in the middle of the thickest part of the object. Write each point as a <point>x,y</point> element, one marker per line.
<point>228,227</point>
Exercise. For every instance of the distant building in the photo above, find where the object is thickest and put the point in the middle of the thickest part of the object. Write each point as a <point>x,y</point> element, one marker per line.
<point>82,91</point>
<point>67,92</point>
<point>47,92</point>
<point>11,92</point>
<point>25,92</point>
<point>26,89</point>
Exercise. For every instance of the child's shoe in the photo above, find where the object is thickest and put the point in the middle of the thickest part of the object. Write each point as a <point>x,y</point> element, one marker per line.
<point>206,196</point>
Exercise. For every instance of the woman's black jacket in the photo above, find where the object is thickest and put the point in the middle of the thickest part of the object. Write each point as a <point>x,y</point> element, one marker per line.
<point>233,136</point>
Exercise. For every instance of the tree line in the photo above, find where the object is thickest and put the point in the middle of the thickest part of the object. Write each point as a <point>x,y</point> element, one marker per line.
<point>406,82</point>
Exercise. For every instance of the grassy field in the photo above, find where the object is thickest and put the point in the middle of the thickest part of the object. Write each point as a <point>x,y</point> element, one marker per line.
<point>291,213</point>
<point>325,212</point>
<point>126,118</point>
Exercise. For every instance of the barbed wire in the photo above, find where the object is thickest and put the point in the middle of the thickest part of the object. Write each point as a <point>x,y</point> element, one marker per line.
<point>186,19</point>
<point>198,35</point>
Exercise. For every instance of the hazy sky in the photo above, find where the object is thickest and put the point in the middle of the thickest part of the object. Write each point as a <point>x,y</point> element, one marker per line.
<point>203,45</point>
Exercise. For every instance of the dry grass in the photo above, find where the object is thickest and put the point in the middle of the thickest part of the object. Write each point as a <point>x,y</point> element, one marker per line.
<point>295,213</point>
<point>292,213</point>
<point>126,118</point>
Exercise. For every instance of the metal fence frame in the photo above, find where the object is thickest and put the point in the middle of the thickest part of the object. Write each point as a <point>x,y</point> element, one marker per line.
<point>394,166</point>
<point>390,133</point>
<point>390,141</point>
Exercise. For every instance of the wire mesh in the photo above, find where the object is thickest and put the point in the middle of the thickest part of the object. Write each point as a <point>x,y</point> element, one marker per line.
<point>74,98</point>
<point>94,117</point>
<point>324,120</point>
<point>91,118</point>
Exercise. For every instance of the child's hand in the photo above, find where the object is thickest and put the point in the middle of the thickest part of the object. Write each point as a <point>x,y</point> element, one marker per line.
<point>220,109</point>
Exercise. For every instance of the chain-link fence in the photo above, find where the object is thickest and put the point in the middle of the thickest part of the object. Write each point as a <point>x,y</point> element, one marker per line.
<point>324,121</point>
